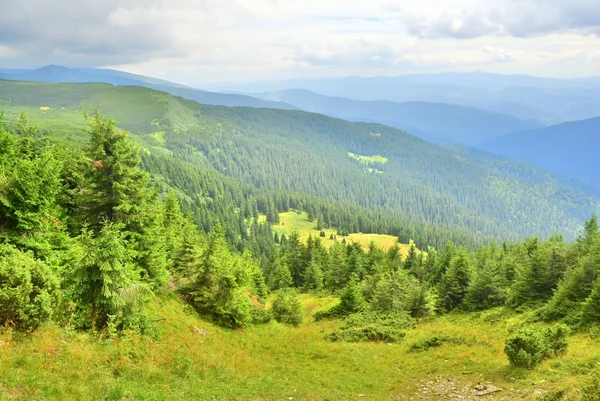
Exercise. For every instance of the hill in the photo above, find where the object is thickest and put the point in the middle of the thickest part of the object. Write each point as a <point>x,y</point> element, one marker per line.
<point>545,100</point>
<point>432,121</point>
<point>60,74</point>
<point>284,159</point>
<point>100,267</point>
<point>570,149</point>
<point>256,363</point>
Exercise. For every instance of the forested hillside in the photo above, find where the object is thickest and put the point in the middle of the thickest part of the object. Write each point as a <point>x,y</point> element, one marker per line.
<point>270,160</point>
<point>57,73</point>
<point>436,122</point>
<point>92,248</point>
<point>570,149</point>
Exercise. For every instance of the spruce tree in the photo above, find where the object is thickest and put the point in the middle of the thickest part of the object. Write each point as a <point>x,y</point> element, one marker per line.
<point>351,298</point>
<point>455,281</point>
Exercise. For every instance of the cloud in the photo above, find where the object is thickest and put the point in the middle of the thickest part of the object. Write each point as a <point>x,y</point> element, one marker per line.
<point>198,41</point>
<point>517,18</point>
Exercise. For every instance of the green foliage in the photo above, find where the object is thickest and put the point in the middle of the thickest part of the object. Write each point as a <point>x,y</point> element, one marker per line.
<point>261,315</point>
<point>400,292</point>
<point>529,346</point>
<point>351,301</point>
<point>590,391</point>
<point>370,326</point>
<point>368,333</point>
<point>455,281</point>
<point>29,290</point>
<point>103,269</point>
<point>544,265</point>
<point>287,308</point>
<point>222,283</point>
<point>489,287</point>
<point>435,341</point>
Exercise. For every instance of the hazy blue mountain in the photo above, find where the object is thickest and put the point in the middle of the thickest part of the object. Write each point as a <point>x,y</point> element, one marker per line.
<point>60,74</point>
<point>547,100</point>
<point>438,122</point>
<point>571,149</point>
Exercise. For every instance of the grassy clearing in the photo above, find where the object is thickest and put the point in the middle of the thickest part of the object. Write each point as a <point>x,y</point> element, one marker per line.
<point>368,159</point>
<point>274,361</point>
<point>292,221</point>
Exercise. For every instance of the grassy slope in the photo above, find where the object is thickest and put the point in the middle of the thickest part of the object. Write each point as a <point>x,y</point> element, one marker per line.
<point>292,221</point>
<point>273,362</point>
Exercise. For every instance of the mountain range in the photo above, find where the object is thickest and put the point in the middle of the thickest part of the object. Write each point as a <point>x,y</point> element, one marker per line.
<point>381,179</point>
<point>60,74</point>
<point>502,114</point>
<point>570,149</point>
<point>545,100</point>
<point>438,122</point>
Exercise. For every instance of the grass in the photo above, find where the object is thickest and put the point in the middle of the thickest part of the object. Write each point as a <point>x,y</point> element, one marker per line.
<point>368,159</point>
<point>294,221</point>
<point>139,110</point>
<point>273,361</point>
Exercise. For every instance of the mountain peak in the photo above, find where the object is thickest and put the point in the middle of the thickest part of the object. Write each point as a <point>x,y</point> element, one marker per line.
<point>53,68</point>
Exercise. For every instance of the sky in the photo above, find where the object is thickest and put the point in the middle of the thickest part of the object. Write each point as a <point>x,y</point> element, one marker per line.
<point>196,42</point>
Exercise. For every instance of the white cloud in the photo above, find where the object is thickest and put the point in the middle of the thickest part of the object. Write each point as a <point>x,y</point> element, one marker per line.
<point>197,41</point>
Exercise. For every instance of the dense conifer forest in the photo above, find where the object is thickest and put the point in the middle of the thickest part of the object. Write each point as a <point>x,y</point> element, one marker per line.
<point>98,226</point>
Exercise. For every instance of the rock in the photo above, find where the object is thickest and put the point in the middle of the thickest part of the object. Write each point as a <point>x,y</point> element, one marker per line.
<point>484,389</point>
<point>362,395</point>
<point>198,330</point>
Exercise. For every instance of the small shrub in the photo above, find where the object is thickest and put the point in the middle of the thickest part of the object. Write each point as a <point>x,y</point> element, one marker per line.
<point>435,341</point>
<point>553,396</point>
<point>529,346</point>
<point>261,315</point>
<point>351,301</point>
<point>590,391</point>
<point>374,332</point>
<point>372,326</point>
<point>28,290</point>
<point>287,308</point>
<point>399,320</point>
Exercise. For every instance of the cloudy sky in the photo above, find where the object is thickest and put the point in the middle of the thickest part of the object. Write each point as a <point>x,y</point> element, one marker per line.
<point>206,41</point>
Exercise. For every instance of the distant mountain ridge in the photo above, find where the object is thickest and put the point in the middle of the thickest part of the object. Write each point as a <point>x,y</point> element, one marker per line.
<point>408,187</point>
<point>61,74</point>
<point>547,100</point>
<point>571,149</point>
<point>437,122</point>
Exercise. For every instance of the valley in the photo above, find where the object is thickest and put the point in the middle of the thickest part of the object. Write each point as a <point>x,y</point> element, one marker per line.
<point>242,250</point>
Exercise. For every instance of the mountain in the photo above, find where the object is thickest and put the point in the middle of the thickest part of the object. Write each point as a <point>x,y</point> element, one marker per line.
<point>438,122</point>
<point>570,149</point>
<point>60,74</point>
<point>365,177</point>
<point>546,100</point>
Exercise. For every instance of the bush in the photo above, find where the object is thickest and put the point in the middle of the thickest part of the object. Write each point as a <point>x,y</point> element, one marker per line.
<point>590,391</point>
<point>351,301</point>
<point>529,346</point>
<point>372,332</point>
<point>435,341</point>
<point>261,315</point>
<point>372,326</point>
<point>28,290</point>
<point>287,308</point>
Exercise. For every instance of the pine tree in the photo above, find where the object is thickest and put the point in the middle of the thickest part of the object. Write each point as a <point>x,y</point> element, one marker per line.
<point>488,288</point>
<point>118,188</point>
<point>591,307</point>
<point>104,270</point>
<point>313,277</point>
<point>351,298</point>
<point>455,281</point>
<point>294,259</point>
